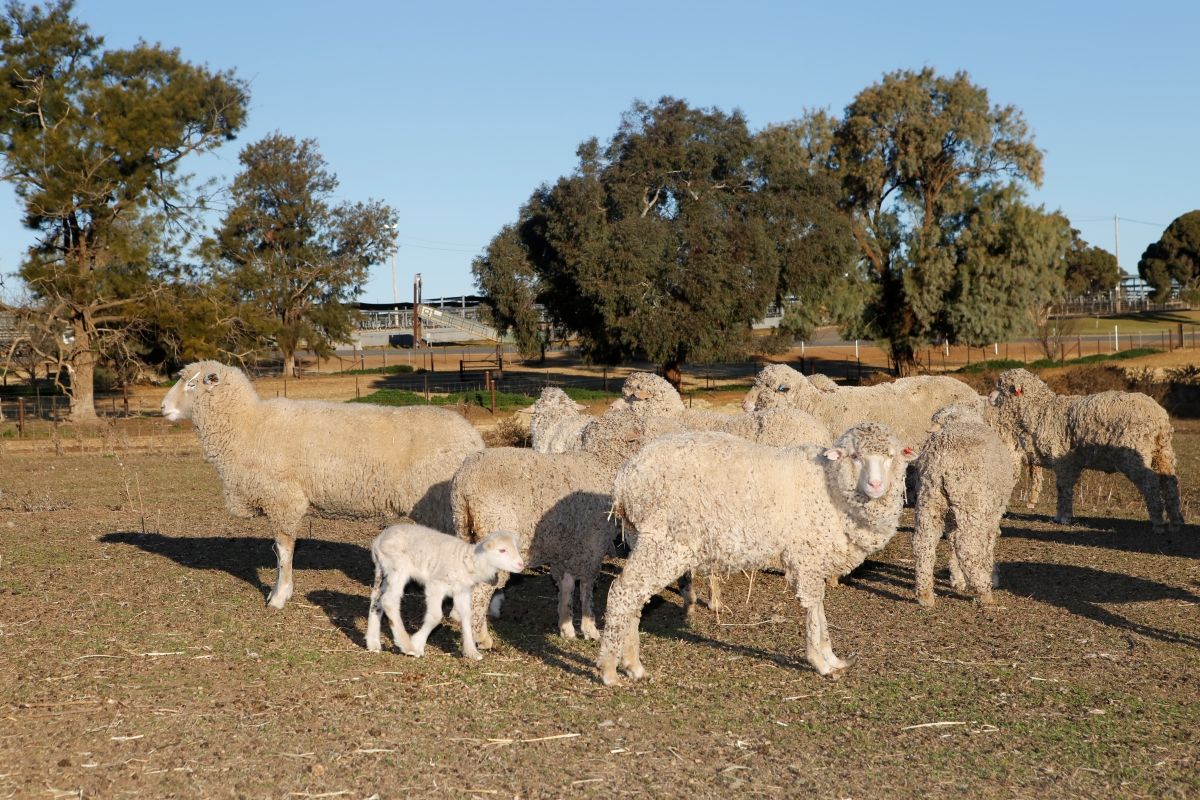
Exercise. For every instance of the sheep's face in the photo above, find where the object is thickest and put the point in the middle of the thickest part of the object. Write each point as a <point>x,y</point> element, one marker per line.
<point>867,459</point>
<point>1014,384</point>
<point>178,403</point>
<point>645,391</point>
<point>502,550</point>
<point>775,386</point>
<point>964,412</point>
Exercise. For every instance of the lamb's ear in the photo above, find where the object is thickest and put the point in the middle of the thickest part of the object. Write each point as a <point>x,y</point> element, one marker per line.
<point>833,453</point>
<point>908,454</point>
<point>211,379</point>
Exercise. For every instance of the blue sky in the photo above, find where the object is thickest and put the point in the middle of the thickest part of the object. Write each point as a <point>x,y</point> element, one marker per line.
<point>454,112</point>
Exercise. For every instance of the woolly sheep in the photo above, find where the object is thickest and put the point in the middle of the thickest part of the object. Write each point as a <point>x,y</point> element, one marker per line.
<point>964,481</point>
<point>1124,432</point>
<point>904,405</point>
<point>556,422</point>
<point>283,457</point>
<point>445,566</point>
<point>712,500</point>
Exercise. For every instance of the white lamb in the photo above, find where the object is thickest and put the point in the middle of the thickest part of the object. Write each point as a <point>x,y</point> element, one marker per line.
<point>283,457</point>
<point>713,501</point>
<point>904,405</point>
<point>964,482</point>
<point>446,566</point>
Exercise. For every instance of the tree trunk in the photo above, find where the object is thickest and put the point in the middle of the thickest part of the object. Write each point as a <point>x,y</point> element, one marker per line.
<point>674,374</point>
<point>904,360</point>
<point>289,364</point>
<point>83,376</point>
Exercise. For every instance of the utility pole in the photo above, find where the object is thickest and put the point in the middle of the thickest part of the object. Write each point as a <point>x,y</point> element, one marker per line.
<point>1117,239</point>
<point>417,310</point>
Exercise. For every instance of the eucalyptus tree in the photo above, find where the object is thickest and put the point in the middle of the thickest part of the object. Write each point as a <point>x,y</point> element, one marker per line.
<point>1174,260</point>
<point>92,140</point>
<point>666,242</point>
<point>293,259</point>
<point>923,158</point>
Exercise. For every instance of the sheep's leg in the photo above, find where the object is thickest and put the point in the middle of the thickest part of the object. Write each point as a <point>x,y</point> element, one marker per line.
<point>1066,475</point>
<point>435,593</point>
<point>462,602</point>
<point>393,596</point>
<point>714,594</point>
<point>687,591</point>
<point>813,631</point>
<point>286,520</point>
<point>1169,486</point>
<point>835,663</point>
<point>1148,483</point>
<point>587,613</point>
<point>566,606</point>
<point>481,600</point>
<point>1035,485</point>
<point>651,566</point>
<point>927,529</point>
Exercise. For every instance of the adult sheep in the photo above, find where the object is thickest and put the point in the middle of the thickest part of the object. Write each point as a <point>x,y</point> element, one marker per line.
<point>711,500</point>
<point>1124,432</point>
<point>284,457</point>
<point>904,405</point>
<point>556,422</point>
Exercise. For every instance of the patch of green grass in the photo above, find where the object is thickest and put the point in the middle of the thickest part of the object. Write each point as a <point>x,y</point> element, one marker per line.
<point>397,397</point>
<point>1046,363</point>
<point>582,395</point>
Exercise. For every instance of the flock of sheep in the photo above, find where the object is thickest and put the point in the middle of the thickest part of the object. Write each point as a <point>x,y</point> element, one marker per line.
<point>688,490</point>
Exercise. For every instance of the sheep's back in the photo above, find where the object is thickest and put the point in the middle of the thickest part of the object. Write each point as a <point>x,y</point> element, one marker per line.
<point>1115,420</point>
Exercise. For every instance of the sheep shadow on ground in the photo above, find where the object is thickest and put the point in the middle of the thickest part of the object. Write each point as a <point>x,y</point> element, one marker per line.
<point>348,613</point>
<point>244,556</point>
<point>1125,535</point>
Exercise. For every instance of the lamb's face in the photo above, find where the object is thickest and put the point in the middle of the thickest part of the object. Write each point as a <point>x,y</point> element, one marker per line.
<point>502,550</point>
<point>867,459</point>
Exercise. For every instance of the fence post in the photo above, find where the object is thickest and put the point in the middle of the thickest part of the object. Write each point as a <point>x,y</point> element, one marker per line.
<point>426,388</point>
<point>1116,339</point>
<point>20,417</point>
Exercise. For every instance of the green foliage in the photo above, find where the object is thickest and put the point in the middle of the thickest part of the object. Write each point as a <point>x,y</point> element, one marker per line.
<point>92,141</point>
<point>931,172</point>
<point>1090,270</point>
<point>399,397</point>
<point>667,241</point>
<point>292,259</point>
<point>1175,257</point>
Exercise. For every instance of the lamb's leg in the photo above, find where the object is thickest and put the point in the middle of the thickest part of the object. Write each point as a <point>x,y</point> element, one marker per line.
<point>393,596</point>
<point>1066,475</point>
<point>435,593</point>
<point>928,526</point>
<point>652,565</point>
<point>481,599</point>
<point>566,606</point>
<point>375,611</point>
<point>462,602</point>
<point>587,613</point>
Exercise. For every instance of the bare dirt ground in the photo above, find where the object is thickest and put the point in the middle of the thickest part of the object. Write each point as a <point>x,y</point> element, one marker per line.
<point>138,659</point>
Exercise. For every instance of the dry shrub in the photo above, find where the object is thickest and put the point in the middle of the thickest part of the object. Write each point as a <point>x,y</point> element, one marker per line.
<point>1089,379</point>
<point>876,378</point>
<point>508,432</point>
<point>982,382</point>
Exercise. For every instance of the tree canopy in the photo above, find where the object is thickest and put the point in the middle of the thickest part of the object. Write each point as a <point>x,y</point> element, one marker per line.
<point>292,258</point>
<point>1174,260</point>
<point>92,140</point>
<point>1090,270</point>
<point>668,241</point>
<point>931,173</point>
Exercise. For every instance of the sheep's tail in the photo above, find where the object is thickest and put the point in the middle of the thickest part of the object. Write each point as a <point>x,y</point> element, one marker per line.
<point>1163,460</point>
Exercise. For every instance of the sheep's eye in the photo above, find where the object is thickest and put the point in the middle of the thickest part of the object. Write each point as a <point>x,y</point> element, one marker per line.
<point>503,550</point>
<point>783,388</point>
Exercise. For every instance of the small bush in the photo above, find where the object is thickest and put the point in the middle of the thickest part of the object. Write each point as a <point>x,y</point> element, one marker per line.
<point>508,432</point>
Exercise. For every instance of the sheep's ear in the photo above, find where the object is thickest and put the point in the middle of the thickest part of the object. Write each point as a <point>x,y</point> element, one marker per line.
<point>528,410</point>
<point>908,454</point>
<point>211,379</point>
<point>640,394</point>
<point>833,453</point>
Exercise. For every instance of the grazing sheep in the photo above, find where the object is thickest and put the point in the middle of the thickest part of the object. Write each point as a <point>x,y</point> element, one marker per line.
<point>964,481</point>
<point>283,457</point>
<point>556,422</point>
<point>711,500</point>
<point>1124,432</point>
<point>904,405</point>
<point>446,566</point>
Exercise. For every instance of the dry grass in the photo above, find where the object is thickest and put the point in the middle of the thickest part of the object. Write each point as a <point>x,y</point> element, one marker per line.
<point>138,659</point>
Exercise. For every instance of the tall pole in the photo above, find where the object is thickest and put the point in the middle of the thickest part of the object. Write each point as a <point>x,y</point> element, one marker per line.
<point>417,310</point>
<point>1117,239</point>
<point>395,294</point>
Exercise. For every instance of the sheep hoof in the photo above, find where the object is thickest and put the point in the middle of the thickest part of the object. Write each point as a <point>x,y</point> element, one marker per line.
<point>590,632</point>
<point>986,599</point>
<point>831,582</point>
<point>415,652</point>
<point>474,655</point>
<point>926,599</point>
<point>278,599</point>
<point>567,631</point>
<point>1031,506</point>
<point>635,671</point>
<point>608,672</point>
<point>484,642</point>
